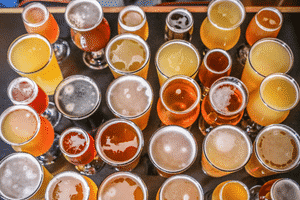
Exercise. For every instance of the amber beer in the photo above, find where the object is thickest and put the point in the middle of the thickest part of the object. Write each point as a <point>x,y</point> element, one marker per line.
<point>172,150</point>
<point>123,184</point>
<point>226,149</point>
<point>119,143</point>
<point>132,19</point>
<point>276,150</point>
<point>179,101</point>
<point>266,23</point>
<point>231,190</point>
<point>224,104</point>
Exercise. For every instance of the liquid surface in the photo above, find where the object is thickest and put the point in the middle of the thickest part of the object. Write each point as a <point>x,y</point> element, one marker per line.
<point>217,61</point>
<point>19,177</point>
<point>268,19</point>
<point>179,20</point>
<point>180,189</point>
<point>286,189</point>
<point>127,55</point>
<point>122,188</point>
<point>22,91</point>
<point>35,15</point>
<point>132,18</point>
<point>74,143</point>
<point>277,149</point>
<point>234,191</point>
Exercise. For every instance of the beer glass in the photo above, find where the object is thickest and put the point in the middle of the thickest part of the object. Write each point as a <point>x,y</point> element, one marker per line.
<point>224,104</point>
<point>22,177</point>
<point>128,54</point>
<point>216,64</point>
<point>90,31</point>
<point>123,184</point>
<point>179,101</point>
<point>77,97</point>
<point>272,101</point>
<point>221,28</point>
<point>32,56</point>
<point>266,56</point>
<point>78,147</point>
<point>231,190</point>
<point>23,91</point>
<point>275,150</point>
<point>37,19</point>
<point>177,57</point>
<point>130,97</point>
<point>71,185</point>
<point>179,25</point>
<point>119,143</point>
<point>180,187</point>
<point>172,150</point>
<point>226,149</point>
<point>132,19</point>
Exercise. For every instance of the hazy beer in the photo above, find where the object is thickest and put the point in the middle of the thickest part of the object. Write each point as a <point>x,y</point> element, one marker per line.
<point>231,190</point>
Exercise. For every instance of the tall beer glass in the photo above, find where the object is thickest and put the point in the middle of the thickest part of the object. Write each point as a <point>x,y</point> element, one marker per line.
<point>272,101</point>
<point>132,19</point>
<point>221,28</point>
<point>266,56</point>
<point>231,190</point>
<point>276,150</point>
<point>179,101</point>
<point>177,57</point>
<point>90,31</point>
<point>224,104</point>
<point>22,177</point>
<point>128,54</point>
<point>32,56</point>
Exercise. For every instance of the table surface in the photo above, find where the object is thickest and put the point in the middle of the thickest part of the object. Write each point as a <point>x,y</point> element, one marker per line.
<point>11,26</point>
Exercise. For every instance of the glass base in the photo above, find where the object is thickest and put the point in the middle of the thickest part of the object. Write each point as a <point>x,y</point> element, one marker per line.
<point>249,126</point>
<point>242,53</point>
<point>95,60</point>
<point>254,192</point>
<point>203,126</point>
<point>54,152</point>
<point>61,50</point>
<point>52,114</point>
<point>91,168</point>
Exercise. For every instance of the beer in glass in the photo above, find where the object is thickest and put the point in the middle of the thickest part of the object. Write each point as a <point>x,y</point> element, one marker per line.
<point>132,19</point>
<point>275,150</point>
<point>231,190</point>
<point>119,143</point>
<point>221,28</point>
<point>172,150</point>
<point>130,97</point>
<point>22,177</point>
<point>226,149</point>
<point>32,56</point>
<point>266,56</point>
<point>123,184</point>
<point>128,54</point>
<point>179,25</point>
<point>177,57</point>
<point>224,104</point>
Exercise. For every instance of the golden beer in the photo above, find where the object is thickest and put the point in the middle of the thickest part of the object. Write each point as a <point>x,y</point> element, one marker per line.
<point>231,190</point>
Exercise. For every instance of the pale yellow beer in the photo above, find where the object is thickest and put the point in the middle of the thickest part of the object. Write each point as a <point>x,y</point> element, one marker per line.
<point>231,190</point>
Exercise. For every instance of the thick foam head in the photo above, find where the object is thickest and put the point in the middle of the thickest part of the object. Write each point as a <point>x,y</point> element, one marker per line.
<point>35,14</point>
<point>285,189</point>
<point>132,18</point>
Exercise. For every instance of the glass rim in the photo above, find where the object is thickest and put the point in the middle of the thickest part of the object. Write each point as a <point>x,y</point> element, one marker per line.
<point>275,40</point>
<point>291,181</point>
<point>34,161</point>
<point>72,174</point>
<point>118,81</point>
<point>286,129</point>
<point>177,41</point>
<point>275,11</point>
<point>286,77</point>
<point>185,11</point>
<point>115,175</point>
<point>35,5</point>
<point>16,81</point>
<point>179,130</point>
<point>12,109</point>
<point>73,3</point>
<point>235,82</point>
<point>185,177</point>
<point>131,8</point>
<point>77,130</point>
<point>234,181</point>
<point>112,122</point>
<point>128,36</point>
<point>236,129</point>
<point>193,84</point>
<point>225,53</point>
<point>70,79</point>
<point>20,39</point>
<point>238,3</point>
